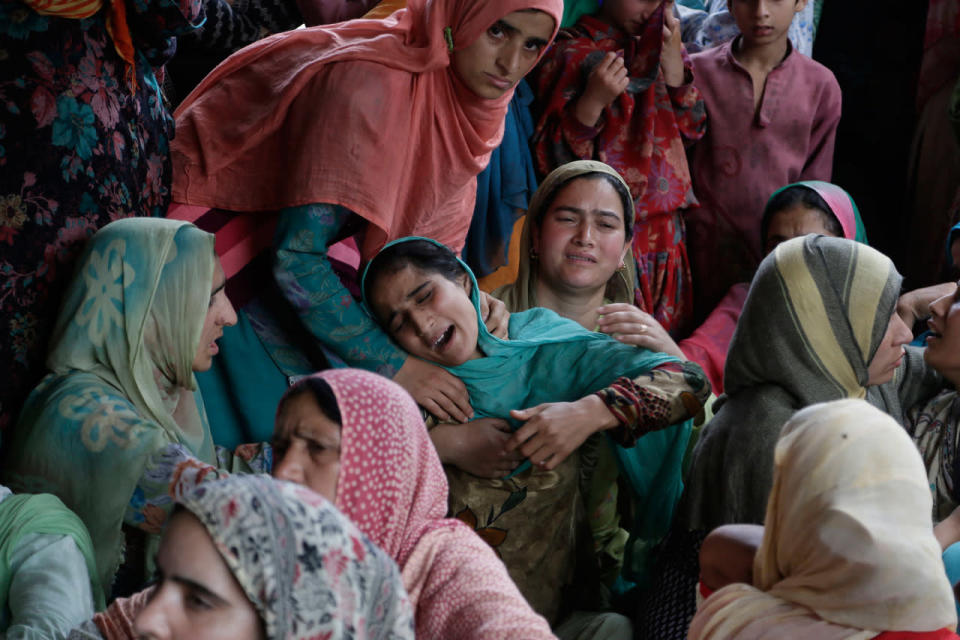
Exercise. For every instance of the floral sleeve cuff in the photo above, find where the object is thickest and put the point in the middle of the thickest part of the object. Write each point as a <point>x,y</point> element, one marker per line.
<point>668,394</point>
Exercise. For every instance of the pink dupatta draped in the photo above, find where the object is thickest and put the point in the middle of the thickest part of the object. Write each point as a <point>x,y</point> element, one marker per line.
<point>393,487</point>
<point>394,136</point>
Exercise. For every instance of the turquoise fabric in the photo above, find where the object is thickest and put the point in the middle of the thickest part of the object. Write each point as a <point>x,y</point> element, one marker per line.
<point>121,360</point>
<point>242,389</point>
<point>552,359</point>
<point>573,10</point>
<point>954,233</point>
<point>504,188</point>
<point>348,336</point>
<point>951,562</point>
<point>21,515</point>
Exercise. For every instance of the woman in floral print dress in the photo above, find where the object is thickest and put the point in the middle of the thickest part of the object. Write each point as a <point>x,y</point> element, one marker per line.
<point>84,139</point>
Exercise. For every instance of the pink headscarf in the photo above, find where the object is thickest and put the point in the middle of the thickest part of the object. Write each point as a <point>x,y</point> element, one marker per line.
<point>840,204</point>
<point>393,487</point>
<point>393,136</point>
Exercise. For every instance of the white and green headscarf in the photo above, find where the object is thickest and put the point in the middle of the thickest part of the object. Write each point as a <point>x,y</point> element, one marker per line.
<point>121,361</point>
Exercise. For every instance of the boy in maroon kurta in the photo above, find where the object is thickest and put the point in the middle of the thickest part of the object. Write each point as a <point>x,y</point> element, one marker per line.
<point>773,120</point>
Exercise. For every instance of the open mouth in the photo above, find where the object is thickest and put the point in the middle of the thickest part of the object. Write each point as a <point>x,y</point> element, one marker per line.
<point>443,339</point>
<point>581,258</point>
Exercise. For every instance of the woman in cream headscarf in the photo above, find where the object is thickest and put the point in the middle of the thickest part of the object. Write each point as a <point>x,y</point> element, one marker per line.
<point>848,549</point>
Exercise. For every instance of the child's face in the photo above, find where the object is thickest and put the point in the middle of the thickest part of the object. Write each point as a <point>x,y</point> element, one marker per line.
<point>793,222</point>
<point>764,21</point>
<point>428,315</point>
<point>629,15</point>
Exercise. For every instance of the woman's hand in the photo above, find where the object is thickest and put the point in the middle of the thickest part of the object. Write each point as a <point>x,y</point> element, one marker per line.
<point>630,325</point>
<point>552,431</point>
<point>607,81</point>
<point>671,58</point>
<point>435,389</point>
<point>478,447</point>
<point>914,306</point>
<point>495,315</point>
<point>947,531</point>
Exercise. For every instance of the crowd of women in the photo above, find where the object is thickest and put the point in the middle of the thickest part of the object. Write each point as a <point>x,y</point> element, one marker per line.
<point>298,347</point>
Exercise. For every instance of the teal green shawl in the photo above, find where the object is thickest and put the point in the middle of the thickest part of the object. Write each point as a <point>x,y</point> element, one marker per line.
<point>121,360</point>
<point>552,359</point>
<point>21,515</point>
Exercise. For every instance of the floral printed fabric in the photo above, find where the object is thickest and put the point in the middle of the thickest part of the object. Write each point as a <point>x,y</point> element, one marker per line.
<point>656,171</point>
<point>308,570</point>
<point>78,148</point>
<point>933,425</point>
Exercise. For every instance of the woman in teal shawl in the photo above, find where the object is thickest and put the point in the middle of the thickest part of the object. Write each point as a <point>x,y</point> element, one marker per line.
<point>48,579</point>
<point>554,383</point>
<point>141,315</point>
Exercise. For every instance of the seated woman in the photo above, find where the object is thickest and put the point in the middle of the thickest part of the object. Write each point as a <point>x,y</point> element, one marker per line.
<point>848,549</point>
<point>382,173</point>
<point>359,440</point>
<point>251,558</point>
<point>598,293</point>
<point>575,260</point>
<point>143,313</point>
<point>819,324</point>
<point>933,424</point>
<point>562,384</point>
<point>48,579</point>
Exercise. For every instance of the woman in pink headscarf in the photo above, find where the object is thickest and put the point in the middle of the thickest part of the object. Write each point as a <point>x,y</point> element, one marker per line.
<point>370,129</point>
<point>358,439</point>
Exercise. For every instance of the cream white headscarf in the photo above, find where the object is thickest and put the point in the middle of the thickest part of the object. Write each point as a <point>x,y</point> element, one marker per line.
<point>848,549</point>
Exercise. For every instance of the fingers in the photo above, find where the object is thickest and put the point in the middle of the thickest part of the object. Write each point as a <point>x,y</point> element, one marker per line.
<point>633,315</point>
<point>639,340</point>
<point>610,64</point>
<point>448,401</point>
<point>502,425</point>
<point>615,307</point>
<point>626,328</point>
<point>454,397</point>
<point>526,414</point>
<point>669,15</point>
<point>484,306</point>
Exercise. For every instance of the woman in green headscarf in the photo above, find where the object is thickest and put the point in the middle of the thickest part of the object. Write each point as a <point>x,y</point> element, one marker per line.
<point>48,579</point>
<point>142,314</point>
<point>552,383</point>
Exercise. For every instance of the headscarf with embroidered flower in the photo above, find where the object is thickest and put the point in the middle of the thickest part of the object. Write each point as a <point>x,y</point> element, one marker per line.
<point>122,383</point>
<point>308,570</point>
<point>304,130</point>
